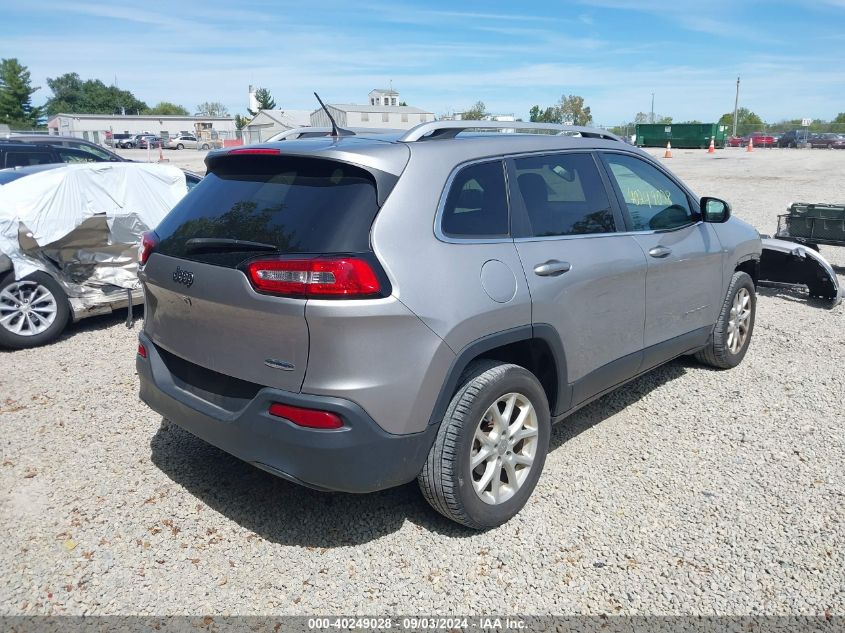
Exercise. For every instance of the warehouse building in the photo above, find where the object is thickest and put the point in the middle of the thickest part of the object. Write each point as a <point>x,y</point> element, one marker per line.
<point>98,127</point>
<point>269,122</point>
<point>381,111</point>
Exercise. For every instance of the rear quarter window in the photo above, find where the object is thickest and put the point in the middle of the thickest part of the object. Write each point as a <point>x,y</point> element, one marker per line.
<point>477,203</point>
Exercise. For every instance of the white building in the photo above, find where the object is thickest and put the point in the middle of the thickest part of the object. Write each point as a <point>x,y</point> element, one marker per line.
<point>97,127</point>
<point>382,111</point>
<point>459,116</point>
<point>382,97</point>
<point>269,122</point>
<point>351,116</point>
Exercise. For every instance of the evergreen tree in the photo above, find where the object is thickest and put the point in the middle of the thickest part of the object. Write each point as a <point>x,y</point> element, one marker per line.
<point>16,91</point>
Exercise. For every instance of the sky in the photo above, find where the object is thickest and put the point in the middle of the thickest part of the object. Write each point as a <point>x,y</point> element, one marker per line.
<point>445,56</point>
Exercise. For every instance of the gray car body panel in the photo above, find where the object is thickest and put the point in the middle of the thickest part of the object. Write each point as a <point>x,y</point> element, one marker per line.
<point>740,243</point>
<point>354,354</point>
<point>218,321</point>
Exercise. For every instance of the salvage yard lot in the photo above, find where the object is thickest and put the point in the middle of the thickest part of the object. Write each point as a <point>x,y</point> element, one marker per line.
<point>687,491</point>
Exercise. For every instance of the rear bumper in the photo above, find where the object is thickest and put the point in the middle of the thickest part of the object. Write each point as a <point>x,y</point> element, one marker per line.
<point>360,457</point>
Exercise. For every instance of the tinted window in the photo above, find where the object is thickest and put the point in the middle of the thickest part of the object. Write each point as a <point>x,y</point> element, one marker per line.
<point>477,204</point>
<point>91,150</point>
<point>69,155</point>
<point>653,201</point>
<point>29,157</point>
<point>563,195</point>
<point>298,205</point>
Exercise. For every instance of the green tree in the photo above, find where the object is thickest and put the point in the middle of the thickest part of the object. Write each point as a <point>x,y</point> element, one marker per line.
<point>572,109</point>
<point>476,112</point>
<point>241,121</point>
<point>73,95</point>
<point>265,101</point>
<point>744,117</point>
<point>166,108</point>
<point>212,108</point>
<point>16,90</point>
<point>551,114</point>
<point>839,119</point>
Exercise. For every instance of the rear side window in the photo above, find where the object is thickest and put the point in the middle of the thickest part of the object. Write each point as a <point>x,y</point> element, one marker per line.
<point>563,195</point>
<point>29,157</point>
<point>297,205</point>
<point>477,203</point>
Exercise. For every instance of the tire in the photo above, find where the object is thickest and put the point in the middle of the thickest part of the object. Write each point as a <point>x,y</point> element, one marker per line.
<point>205,146</point>
<point>180,146</point>
<point>447,480</point>
<point>54,310</point>
<point>723,351</point>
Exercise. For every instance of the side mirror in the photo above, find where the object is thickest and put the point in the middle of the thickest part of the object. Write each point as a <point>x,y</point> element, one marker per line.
<point>715,210</point>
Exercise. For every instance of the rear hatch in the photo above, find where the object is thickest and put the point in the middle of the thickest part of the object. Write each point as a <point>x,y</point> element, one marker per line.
<point>204,305</point>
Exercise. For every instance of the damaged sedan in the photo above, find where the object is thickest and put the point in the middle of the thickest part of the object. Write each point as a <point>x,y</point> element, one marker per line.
<point>69,239</point>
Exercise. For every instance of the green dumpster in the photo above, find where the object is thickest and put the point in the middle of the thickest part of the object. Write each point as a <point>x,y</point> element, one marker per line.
<point>681,135</point>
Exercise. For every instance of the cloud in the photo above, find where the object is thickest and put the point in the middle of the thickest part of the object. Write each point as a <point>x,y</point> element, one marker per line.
<point>441,60</point>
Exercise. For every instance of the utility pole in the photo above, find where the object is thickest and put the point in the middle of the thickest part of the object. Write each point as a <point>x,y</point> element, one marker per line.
<point>736,105</point>
<point>651,118</point>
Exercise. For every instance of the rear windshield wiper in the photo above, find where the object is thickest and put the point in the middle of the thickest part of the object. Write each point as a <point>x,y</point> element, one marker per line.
<point>226,244</point>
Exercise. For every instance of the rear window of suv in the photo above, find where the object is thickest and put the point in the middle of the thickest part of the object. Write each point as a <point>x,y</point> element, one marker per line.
<point>298,205</point>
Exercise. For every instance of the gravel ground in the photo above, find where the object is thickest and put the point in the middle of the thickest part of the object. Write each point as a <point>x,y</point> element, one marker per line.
<point>688,491</point>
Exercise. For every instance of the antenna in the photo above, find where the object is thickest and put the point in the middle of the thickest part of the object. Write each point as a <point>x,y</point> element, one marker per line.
<point>336,131</point>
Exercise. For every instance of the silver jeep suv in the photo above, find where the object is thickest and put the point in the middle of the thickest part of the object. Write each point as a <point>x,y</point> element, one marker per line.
<point>351,313</point>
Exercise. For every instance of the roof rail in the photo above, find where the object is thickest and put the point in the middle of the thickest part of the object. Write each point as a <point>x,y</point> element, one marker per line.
<point>450,129</point>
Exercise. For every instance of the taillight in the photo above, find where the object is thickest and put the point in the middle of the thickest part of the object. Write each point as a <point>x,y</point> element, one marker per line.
<point>148,243</point>
<point>142,351</point>
<point>256,150</point>
<point>321,277</point>
<point>310,418</point>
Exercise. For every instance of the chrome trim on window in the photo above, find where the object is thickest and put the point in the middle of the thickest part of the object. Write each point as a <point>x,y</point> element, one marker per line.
<point>441,206</point>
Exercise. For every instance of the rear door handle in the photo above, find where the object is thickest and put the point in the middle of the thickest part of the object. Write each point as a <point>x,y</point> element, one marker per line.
<point>660,251</point>
<point>552,268</point>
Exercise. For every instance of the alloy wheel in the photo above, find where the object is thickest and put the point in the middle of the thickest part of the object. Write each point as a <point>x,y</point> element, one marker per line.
<point>740,320</point>
<point>27,308</point>
<point>503,449</point>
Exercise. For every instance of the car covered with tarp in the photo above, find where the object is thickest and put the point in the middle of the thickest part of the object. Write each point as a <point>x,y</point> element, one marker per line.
<point>69,242</point>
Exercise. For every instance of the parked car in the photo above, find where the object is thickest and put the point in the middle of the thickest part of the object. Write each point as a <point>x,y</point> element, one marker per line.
<point>825,140</point>
<point>150,142</point>
<point>70,142</point>
<point>759,139</point>
<point>18,154</point>
<point>421,306</point>
<point>10,174</point>
<point>735,141</point>
<point>116,139</point>
<point>79,257</point>
<point>135,141</point>
<point>181,141</point>
<point>793,138</point>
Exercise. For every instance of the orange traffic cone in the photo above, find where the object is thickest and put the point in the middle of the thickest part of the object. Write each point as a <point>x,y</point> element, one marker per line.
<point>712,148</point>
<point>750,147</point>
<point>161,157</point>
<point>668,153</point>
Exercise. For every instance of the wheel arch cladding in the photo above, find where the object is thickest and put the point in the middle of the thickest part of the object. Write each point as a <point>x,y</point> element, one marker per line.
<point>537,348</point>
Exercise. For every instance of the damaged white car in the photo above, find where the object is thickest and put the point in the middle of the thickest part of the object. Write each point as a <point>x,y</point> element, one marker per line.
<point>69,239</point>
